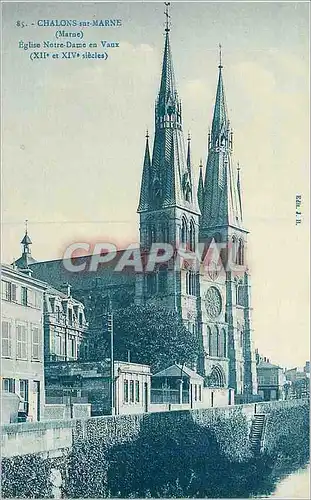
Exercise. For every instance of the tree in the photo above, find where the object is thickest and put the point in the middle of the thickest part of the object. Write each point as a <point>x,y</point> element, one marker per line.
<point>154,335</point>
<point>151,334</point>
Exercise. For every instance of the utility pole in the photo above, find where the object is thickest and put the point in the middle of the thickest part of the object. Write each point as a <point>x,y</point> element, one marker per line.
<point>110,331</point>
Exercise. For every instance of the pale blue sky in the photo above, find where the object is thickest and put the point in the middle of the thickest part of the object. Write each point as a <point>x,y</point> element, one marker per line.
<point>73,135</point>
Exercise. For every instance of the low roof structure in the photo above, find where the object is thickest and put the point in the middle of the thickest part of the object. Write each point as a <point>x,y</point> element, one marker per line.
<point>178,371</point>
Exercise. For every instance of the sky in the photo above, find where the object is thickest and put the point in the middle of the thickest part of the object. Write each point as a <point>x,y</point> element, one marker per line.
<point>73,135</point>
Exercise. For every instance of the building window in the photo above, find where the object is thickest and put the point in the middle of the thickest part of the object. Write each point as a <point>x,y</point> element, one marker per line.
<point>224,337</point>
<point>217,353</point>
<point>132,391</point>
<point>35,342</point>
<point>192,236</point>
<point>126,391</point>
<point>162,280</point>
<point>58,313</point>
<point>6,290</point>
<point>13,293</point>
<point>21,352</point>
<point>70,316</point>
<point>184,231</point>
<point>23,389</point>
<point>34,299</point>
<point>72,347</point>
<point>240,293</point>
<point>151,235</point>
<point>240,256</point>
<point>195,392</point>
<point>151,283</point>
<point>209,340</point>
<point>165,233</point>
<point>24,296</point>
<point>6,340</point>
<point>137,392</point>
<point>80,319</point>
<point>8,385</point>
<point>200,393</point>
<point>190,283</point>
<point>234,250</point>
<point>60,345</point>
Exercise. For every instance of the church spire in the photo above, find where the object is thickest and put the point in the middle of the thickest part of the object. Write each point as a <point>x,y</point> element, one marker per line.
<point>144,192</point>
<point>168,108</point>
<point>220,123</point>
<point>221,202</point>
<point>169,181</point>
<point>201,187</point>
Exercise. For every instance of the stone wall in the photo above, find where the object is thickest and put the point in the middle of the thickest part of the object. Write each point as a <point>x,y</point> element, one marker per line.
<point>202,452</point>
<point>64,412</point>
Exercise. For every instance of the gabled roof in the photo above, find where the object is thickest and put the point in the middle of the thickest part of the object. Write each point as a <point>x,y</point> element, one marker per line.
<point>179,371</point>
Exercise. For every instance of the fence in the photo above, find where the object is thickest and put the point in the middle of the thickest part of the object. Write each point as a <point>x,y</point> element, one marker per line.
<point>166,395</point>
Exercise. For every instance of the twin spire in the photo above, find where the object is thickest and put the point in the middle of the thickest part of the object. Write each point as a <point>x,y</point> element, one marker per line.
<point>169,166</point>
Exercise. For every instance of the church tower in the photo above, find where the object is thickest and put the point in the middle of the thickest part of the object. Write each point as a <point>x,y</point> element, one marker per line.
<point>168,207</point>
<point>226,301</point>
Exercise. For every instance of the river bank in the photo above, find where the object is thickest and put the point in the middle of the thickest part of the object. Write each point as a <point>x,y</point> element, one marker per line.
<point>294,485</point>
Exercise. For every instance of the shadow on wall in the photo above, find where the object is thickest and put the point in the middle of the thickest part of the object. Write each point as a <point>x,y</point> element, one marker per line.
<point>194,454</point>
<point>173,458</point>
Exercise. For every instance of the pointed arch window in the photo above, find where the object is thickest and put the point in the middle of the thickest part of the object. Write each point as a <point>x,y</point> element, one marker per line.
<point>165,233</point>
<point>190,283</point>
<point>214,342</point>
<point>240,292</point>
<point>209,340</point>
<point>192,236</point>
<point>184,231</point>
<point>151,235</point>
<point>151,284</point>
<point>218,342</point>
<point>234,250</point>
<point>156,193</point>
<point>240,253</point>
<point>224,342</point>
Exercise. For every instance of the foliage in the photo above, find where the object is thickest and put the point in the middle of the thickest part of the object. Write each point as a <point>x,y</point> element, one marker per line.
<point>287,434</point>
<point>153,335</point>
<point>190,454</point>
<point>25,477</point>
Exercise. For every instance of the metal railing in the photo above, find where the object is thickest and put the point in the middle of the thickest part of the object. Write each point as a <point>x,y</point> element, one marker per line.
<point>159,396</point>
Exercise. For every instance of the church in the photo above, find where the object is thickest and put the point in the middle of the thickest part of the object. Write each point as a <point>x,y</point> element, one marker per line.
<point>214,301</point>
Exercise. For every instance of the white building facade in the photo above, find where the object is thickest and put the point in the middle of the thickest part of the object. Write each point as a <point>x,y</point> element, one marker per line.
<point>22,350</point>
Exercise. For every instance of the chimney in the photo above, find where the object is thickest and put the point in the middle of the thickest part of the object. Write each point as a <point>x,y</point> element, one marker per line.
<point>66,288</point>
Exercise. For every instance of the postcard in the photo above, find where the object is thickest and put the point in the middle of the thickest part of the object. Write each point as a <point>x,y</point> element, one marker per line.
<point>155,242</point>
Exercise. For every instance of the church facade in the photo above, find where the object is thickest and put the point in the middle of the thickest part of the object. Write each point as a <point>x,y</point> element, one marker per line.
<point>213,296</point>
